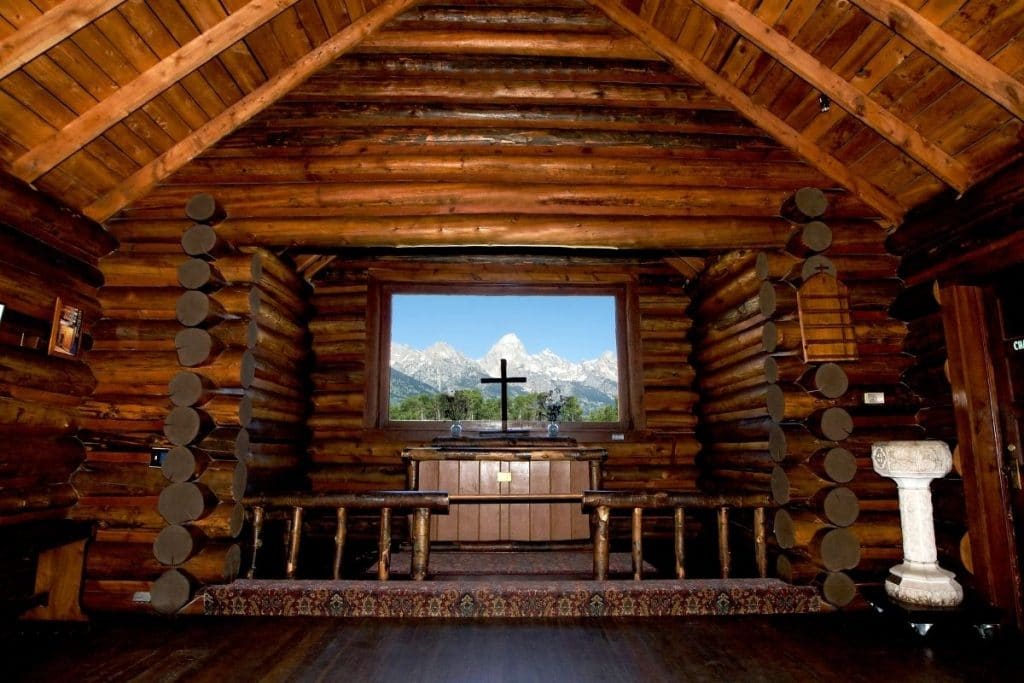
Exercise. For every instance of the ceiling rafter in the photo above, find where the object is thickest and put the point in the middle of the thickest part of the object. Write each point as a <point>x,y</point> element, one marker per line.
<point>760,116</point>
<point>238,114</point>
<point>110,111</point>
<point>932,157</point>
<point>987,78</point>
<point>40,34</point>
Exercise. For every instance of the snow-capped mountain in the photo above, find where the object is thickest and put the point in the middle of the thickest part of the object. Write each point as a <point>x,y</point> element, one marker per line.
<point>594,382</point>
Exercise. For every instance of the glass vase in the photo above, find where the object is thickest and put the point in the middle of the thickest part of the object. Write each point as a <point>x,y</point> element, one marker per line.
<point>456,429</point>
<point>552,429</point>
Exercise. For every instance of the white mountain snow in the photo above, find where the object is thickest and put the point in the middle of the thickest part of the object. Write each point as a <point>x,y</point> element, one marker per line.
<point>445,368</point>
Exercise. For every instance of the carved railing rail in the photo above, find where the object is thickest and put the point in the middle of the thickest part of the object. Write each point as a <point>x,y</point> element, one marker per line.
<point>601,503</point>
<point>421,503</point>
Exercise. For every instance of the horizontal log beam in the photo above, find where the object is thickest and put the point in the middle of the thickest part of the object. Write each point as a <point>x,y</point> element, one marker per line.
<point>44,219</point>
<point>493,167</point>
<point>512,43</point>
<point>624,232</point>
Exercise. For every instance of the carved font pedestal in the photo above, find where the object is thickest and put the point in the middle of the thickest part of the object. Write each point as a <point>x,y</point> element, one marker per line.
<point>913,465</point>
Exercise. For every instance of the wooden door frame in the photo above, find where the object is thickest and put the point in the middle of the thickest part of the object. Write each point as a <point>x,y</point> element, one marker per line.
<point>966,313</point>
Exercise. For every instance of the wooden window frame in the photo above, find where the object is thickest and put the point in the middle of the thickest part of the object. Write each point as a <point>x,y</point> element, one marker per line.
<point>380,295</point>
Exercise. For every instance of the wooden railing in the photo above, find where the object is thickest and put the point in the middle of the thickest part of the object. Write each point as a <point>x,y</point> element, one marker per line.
<point>601,503</point>
<point>421,503</point>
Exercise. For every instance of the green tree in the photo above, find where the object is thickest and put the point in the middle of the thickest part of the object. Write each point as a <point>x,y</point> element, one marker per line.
<point>608,413</point>
<point>572,410</point>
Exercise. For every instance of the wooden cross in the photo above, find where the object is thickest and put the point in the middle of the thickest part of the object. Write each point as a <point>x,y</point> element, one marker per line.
<point>504,381</point>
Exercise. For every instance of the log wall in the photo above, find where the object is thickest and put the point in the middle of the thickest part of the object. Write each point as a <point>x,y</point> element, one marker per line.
<point>774,420</point>
<point>46,252</point>
<point>200,398</point>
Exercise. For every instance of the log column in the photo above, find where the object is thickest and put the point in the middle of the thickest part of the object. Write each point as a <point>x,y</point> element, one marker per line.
<point>237,421</point>
<point>770,420</point>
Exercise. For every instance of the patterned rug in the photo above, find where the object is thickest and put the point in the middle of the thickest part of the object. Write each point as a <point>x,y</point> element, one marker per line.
<point>509,598</point>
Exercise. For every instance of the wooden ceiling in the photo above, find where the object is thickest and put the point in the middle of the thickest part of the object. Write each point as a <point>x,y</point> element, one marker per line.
<point>627,123</point>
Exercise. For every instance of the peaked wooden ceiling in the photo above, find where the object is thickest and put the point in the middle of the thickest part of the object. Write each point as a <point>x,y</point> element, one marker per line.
<point>633,122</point>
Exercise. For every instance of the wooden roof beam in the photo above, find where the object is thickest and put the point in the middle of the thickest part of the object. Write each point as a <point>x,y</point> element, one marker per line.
<point>760,116</point>
<point>932,157</point>
<point>40,34</point>
<point>508,43</point>
<point>242,111</point>
<point>990,80</point>
<point>105,114</point>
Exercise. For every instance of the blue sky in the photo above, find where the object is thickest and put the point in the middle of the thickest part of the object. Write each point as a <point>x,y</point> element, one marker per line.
<point>575,327</point>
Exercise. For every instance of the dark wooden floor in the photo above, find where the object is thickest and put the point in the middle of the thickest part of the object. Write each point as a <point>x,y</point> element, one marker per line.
<point>861,647</point>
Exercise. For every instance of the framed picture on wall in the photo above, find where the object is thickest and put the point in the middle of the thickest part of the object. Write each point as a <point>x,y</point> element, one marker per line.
<point>66,335</point>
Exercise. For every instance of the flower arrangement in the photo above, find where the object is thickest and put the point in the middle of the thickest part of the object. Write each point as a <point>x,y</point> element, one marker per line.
<point>454,407</point>
<point>552,405</point>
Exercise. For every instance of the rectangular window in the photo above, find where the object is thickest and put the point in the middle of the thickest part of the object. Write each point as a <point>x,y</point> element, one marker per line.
<point>566,346</point>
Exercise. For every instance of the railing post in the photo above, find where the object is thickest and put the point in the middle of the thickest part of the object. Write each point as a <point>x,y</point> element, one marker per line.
<point>384,551</point>
<point>257,540</point>
<point>680,534</point>
<point>294,540</point>
<point>603,513</point>
<point>420,543</point>
<point>760,543</point>
<point>339,541</point>
<point>724,555</point>
<point>637,537</point>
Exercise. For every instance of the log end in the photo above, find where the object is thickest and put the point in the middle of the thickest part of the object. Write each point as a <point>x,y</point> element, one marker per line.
<point>840,465</point>
<point>815,265</point>
<point>811,238</point>
<point>175,544</point>
<point>840,549</point>
<point>769,337</point>
<point>193,308</point>
<point>186,389</point>
<point>780,485</point>
<point>183,425</point>
<point>170,592</point>
<point>841,506</point>
<point>203,208</point>
<point>181,502</point>
<point>195,346</point>
<point>836,424</point>
<point>248,373</point>
<point>232,562</point>
<point>239,480</point>
<point>805,205</point>
<point>195,274</point>
<point>831,380</point>
<point>242,441</point>
<point>838,589</point>
<point>785,534</point>
<point>775,399</point>
<point>777,443</point>
<point>199,240</point>
<point>179,465</point>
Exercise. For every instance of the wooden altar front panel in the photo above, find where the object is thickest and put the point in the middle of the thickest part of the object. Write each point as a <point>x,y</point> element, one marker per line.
<point>506,473</point>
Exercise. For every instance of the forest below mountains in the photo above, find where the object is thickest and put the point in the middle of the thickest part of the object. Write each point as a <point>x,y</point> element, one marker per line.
<point>472,404</point>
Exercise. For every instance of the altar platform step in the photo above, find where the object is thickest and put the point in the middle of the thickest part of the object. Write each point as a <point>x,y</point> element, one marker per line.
<point>508,598</point>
